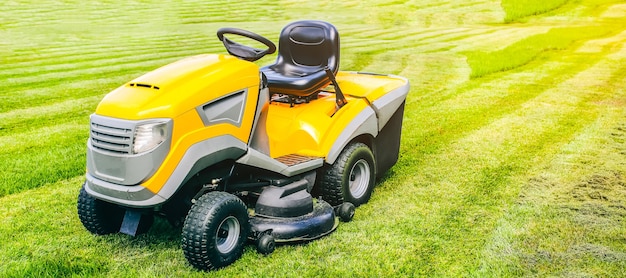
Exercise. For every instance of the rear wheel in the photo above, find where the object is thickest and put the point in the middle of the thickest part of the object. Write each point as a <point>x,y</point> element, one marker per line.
<point>97,216</point>
<point>215,231</point>
<point>351,178</point>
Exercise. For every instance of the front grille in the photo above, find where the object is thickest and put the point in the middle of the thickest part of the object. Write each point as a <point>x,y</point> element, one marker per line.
<point>110,138</point>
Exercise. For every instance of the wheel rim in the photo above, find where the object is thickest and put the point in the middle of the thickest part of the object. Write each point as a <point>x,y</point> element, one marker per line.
<point>359,178</point>
<point>227,234</point>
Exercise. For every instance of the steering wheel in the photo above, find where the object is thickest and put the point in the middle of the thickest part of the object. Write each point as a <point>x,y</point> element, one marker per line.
<point>242,51</point>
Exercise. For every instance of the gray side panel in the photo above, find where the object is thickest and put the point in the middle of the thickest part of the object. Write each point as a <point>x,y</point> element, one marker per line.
<point>228,109</point>
<point>364,123</point>
<point>259,160</point>
<point>201,155</point>
<point>197,157</point>
<point>388,104</point>
<point>133,196</point>
<point>259,139</point>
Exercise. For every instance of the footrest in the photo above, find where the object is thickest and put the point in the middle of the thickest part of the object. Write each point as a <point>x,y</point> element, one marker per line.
<point>295,159</point>
<point>288,165</point>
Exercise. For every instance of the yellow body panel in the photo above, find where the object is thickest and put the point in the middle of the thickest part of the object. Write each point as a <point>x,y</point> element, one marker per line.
<point>308,129</point>
<point>174,89</point>
<point>181,88</point>
<point>370,86</point>
<point>188,130</point>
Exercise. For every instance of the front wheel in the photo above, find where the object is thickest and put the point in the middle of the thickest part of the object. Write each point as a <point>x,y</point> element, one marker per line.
<point>98,217</point>
<point>351,178</point>
<point>215,231</point>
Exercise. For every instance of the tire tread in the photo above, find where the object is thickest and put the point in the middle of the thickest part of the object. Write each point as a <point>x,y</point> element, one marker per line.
<point>98,217</point>
<point>331,188</point>
<point>194,236</point>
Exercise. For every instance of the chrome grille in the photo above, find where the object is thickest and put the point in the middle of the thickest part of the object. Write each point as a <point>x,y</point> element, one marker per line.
<point>111,139</point>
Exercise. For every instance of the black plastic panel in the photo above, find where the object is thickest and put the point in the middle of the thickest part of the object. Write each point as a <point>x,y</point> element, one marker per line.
<point>387,143</point>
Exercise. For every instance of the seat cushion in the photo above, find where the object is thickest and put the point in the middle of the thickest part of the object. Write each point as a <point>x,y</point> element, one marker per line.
<point>297,81</point>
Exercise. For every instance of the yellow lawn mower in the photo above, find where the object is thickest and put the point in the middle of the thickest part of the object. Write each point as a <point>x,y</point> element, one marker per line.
<point>234,153</point>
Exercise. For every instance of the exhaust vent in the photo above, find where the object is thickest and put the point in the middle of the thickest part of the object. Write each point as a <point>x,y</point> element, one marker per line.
<point>143,85</point>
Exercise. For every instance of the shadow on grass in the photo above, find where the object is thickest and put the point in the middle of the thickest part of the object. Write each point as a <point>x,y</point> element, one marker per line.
<point>160,235</point>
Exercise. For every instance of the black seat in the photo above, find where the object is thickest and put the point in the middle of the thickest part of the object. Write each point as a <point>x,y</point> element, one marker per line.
<point>305,48</point>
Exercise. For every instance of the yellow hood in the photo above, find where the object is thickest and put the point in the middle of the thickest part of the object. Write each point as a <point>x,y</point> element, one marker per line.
<point>178,87</point>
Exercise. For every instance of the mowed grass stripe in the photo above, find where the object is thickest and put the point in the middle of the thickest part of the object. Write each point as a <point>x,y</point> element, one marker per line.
<point>99,52</point>
<point>132,37</point>
<point>457,6</point>
<point>229,12</point>
<point>61,91</point>
<point>32,59</point>
<point>365,32</point>
<point>86,68</point>
<point>429,8</point>
<point>500,38</point>
<point>40,156</point>
<point>477,100</point>
<point>92,73</point>
<point>542,126</point>
<point>70,11</point>
<point>109,41</point>
<point>419,37</point>
<point>587,202</point>
<point>429,43</point>
<point>481,169</point>
<point>22,120</point>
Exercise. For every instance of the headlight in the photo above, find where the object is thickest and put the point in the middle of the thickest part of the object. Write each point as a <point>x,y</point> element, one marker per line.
<point>149,136</point>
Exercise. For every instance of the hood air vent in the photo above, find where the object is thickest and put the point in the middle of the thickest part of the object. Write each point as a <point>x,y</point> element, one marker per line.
<point>143,85</point>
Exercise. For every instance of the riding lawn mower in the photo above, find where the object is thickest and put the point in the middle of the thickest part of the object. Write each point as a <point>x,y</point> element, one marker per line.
<point>236,153</point>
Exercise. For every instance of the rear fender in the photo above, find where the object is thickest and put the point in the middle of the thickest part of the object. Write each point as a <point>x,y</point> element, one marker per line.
<point>365,122</point>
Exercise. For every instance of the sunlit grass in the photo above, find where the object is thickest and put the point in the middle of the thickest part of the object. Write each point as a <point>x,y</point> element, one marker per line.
<point>518,9</point>
<point>524,51</point>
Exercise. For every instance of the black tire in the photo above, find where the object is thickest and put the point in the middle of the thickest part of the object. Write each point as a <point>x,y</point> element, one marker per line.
<point>215,231</point>
<point>266,244</point>
<point>351,178</point>
<point>98,217</point>
<point>346,212</point>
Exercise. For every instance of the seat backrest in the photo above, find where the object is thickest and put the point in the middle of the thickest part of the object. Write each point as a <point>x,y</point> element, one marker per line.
<point>307,46</point>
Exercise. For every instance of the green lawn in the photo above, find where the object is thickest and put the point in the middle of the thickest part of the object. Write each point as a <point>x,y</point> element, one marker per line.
<point>513,155</point>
